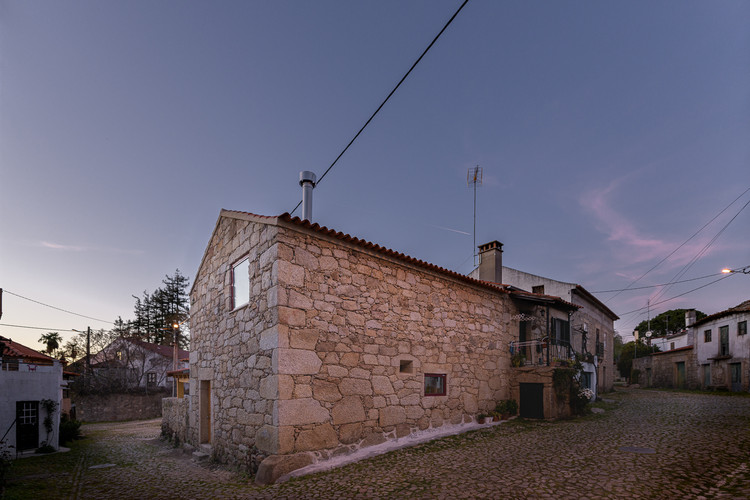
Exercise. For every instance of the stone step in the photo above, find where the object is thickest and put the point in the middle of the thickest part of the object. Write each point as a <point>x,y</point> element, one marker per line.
<point>199,456</point>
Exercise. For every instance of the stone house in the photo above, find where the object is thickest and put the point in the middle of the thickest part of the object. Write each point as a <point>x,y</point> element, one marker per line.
<point>712,353</point>
<point>307,343</point>
<point>722,349</point>
<point>592,323</point>
<point>28,378</point>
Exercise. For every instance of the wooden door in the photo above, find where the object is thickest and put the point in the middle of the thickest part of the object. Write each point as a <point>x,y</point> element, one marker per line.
<point>27,425</point>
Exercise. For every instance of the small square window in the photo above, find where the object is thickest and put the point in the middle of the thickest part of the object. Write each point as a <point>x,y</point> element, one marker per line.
<point>537,289</point>
<point>434,384</point>
<point>241,283</point>
<point>707,336</point>
<point>406,366</point>
<point>742,328</point>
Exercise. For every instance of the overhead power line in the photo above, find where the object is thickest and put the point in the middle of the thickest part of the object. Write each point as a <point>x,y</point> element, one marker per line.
<point>39,328</point>
<point>681,245</point>
<point>676,296</point>
<point>389,96</point>
<point>656,286</point>
<point>57,308</point>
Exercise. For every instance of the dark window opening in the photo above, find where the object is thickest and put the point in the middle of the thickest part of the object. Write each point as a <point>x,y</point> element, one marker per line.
<point>406,366</point>
<point>537,289</point>
<point>742,328</point>
<point>434,384</point>
<point>707,336</point>
<point>724,341</point>
<point>151,379</point>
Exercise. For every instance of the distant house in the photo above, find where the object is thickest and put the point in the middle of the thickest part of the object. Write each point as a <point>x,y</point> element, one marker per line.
<point>712,353</point>
<point>130,363</point>
<point>309,343</point>
<point>28,380</point>
<point>722,349</point>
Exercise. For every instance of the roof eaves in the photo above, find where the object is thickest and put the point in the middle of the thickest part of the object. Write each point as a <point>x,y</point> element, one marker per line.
<point>287,220</point>
<point>592,298</point>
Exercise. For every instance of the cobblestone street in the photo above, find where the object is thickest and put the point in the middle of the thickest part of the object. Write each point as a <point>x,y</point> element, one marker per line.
<point>648,444</point>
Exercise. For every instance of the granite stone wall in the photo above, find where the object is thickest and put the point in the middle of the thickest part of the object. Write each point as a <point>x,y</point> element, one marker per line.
<point>332,351</point>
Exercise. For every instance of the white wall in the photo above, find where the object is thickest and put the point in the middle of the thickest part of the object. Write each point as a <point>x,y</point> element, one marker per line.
<point>739,345</point>
<point>25,385</point>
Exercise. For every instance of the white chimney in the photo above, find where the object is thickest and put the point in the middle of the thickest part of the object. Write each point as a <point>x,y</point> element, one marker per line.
<point>307,181</point>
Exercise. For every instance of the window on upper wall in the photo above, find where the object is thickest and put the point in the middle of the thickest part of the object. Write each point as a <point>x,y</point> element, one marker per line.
<point>151,379</point>
<point>560,331</point>
<point>241,283</point>
<point>434,384</point>
<point>724,341</point>
<point>742,328</point>
<point>707,336</point>
<point>538,289</point>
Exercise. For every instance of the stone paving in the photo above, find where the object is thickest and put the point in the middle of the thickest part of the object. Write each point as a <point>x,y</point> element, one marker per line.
<point>647,444</point>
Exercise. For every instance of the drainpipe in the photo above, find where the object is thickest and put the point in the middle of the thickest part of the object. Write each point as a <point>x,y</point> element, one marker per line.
<point>549,338</point>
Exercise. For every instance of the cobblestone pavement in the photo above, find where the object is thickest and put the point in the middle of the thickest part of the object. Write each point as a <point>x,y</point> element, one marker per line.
<point>648,444</point>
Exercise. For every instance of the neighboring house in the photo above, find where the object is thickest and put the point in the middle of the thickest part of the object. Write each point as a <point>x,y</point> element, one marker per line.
<point>669,342</point>
<point>722,349</point>
<point>309,343</point>
<point>712,353</point>
<point>130,363</point>
<point>28,379</point>
<point>592,325</point>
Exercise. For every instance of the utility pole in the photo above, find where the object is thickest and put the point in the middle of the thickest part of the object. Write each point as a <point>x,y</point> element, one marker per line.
<point>474,177</point>
<point>176,328</point>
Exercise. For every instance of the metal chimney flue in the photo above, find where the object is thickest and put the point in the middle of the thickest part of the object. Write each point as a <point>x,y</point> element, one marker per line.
<point>307,180</point>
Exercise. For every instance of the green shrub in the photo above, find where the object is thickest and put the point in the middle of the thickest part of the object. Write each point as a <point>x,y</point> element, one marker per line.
<point>69,430</point>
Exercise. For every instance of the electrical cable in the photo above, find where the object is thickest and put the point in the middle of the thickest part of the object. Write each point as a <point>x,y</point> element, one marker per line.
<point>40,328</point>
<point>57,308</point>
<point>386,99</point>
<point>656,286</point>
<point>676,296</point>
<point>681,245</point>
<point>690,264</point>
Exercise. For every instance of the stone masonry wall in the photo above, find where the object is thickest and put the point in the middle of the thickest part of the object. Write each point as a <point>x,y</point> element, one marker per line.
<point>357,333</point>
<point>174,413</point>
<point>227,345</point>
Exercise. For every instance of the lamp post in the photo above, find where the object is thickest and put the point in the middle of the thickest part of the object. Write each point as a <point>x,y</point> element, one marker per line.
<point>176,328</point>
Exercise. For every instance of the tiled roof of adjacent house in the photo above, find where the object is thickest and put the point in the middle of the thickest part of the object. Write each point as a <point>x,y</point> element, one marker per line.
<point>744,307</point>
<point>16,350</point>
<point>368,245</point>
<point>165,350</point>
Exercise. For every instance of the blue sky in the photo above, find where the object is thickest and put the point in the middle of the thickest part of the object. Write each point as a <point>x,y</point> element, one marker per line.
<point>609,132</point>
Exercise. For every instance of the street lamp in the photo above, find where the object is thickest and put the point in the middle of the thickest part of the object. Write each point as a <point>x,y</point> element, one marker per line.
<point>176,328</point>
<point>742,270</point>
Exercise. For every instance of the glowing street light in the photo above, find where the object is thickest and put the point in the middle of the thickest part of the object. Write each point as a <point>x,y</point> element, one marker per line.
<point>742,270</point>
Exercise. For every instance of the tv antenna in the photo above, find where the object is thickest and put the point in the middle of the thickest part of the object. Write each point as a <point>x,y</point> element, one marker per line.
<point>474,177</point>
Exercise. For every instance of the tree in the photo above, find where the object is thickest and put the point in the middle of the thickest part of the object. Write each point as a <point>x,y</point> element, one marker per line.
<point>617,346</point>
<point>625,364</point>
<point>52,339</point>
<point>674,318</point>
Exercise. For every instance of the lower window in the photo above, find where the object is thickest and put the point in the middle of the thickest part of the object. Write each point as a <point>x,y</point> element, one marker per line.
<point>434,384</point>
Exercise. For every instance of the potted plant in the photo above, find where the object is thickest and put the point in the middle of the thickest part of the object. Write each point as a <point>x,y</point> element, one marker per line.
<point>483,418</point>
<point>518,359</point>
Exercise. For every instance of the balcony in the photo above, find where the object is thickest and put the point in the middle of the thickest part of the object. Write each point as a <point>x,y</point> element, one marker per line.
<point>540,352</point>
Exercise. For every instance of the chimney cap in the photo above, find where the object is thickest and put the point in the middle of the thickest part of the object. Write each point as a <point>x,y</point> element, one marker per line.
<point>307,176</point>
<point>492,245</point>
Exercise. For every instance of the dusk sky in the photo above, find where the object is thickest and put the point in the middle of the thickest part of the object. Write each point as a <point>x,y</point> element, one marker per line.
<point>608,132</point>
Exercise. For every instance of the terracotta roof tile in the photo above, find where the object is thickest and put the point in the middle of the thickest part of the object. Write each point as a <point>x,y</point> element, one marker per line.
<point>16,350</point>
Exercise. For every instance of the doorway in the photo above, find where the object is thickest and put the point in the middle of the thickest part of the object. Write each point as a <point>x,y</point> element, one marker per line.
<point>532,400</point>
<point>736,376</point>
<point>205,411</point>
<point>27,425</point>
<point>681,375</point>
